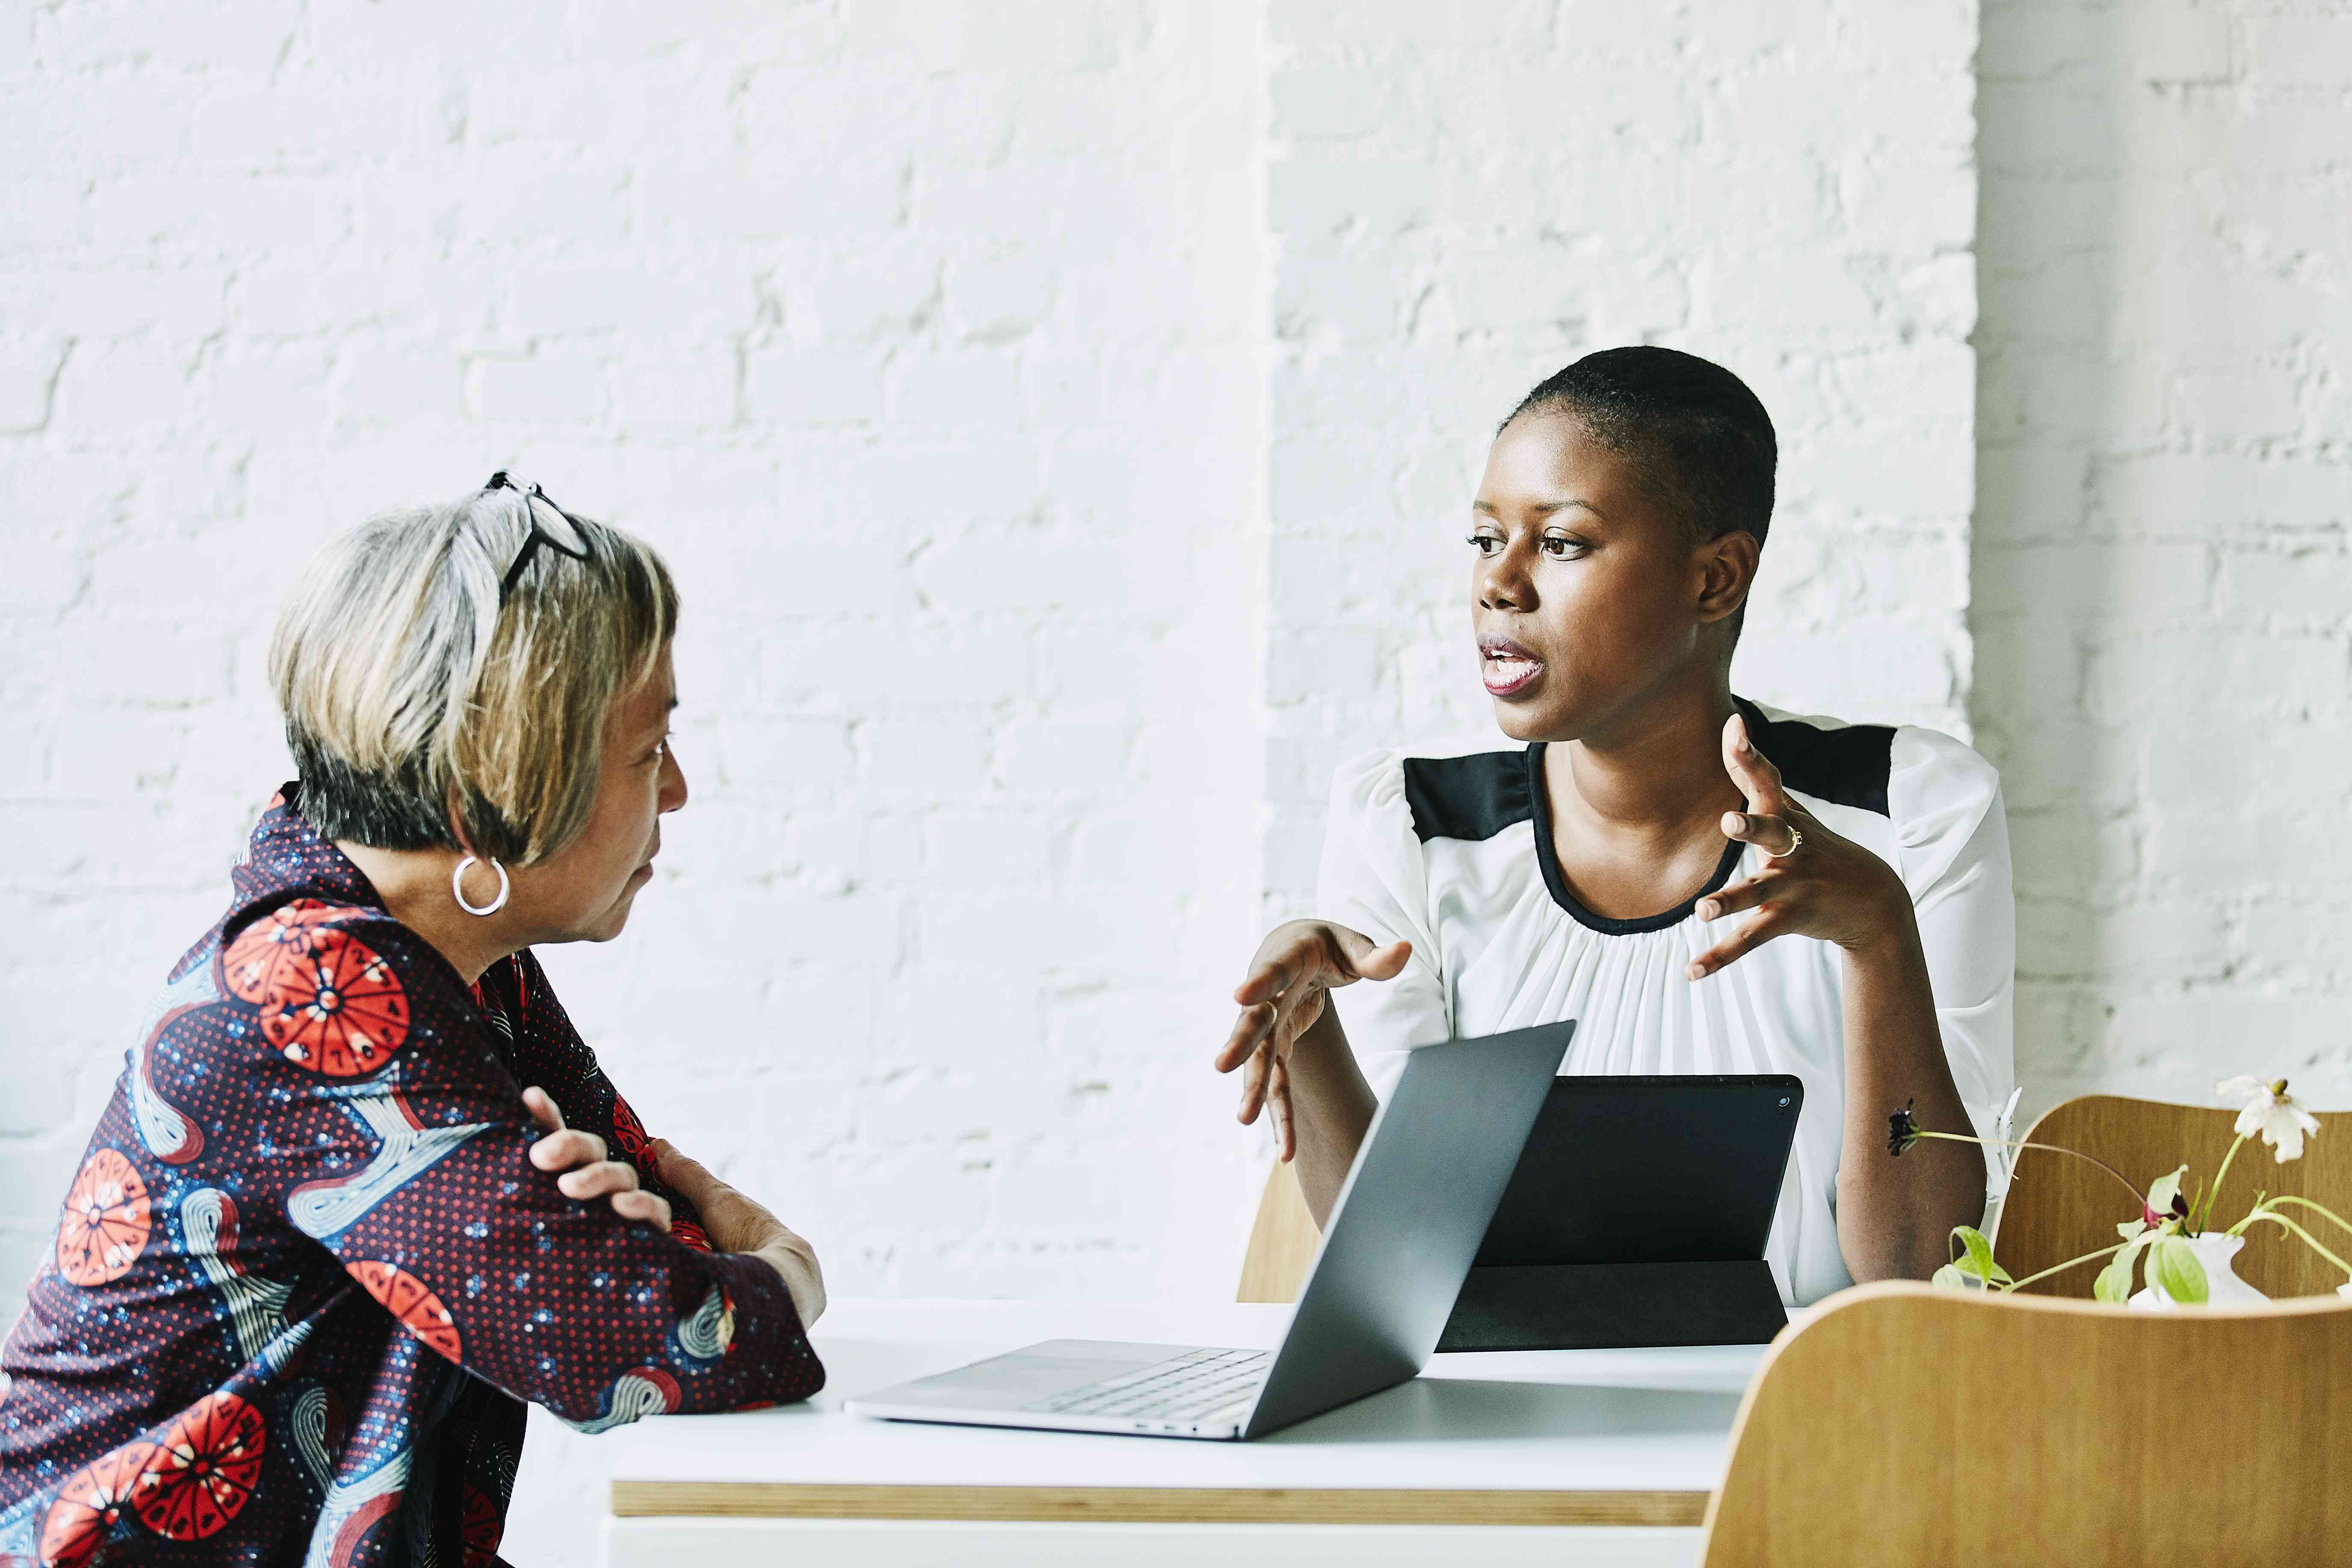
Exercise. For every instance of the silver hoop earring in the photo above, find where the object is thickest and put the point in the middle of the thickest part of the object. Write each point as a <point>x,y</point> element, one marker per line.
<point>457,888</point>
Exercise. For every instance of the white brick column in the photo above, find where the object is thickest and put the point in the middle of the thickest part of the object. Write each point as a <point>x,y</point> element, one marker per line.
<point>2160,565</point>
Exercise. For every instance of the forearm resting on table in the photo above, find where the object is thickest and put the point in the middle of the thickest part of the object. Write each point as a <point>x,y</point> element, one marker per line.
<point>795,1262</point>
<point>737,1224</point>
<point>1894,1217</point>
<point>1332,1107</point>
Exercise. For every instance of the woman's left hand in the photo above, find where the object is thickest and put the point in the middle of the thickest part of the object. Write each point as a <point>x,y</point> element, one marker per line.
<point>1815,883</point>
<point>587,1173</point>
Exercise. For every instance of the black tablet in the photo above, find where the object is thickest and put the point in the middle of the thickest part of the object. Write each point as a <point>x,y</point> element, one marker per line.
<point>1636,1215</point>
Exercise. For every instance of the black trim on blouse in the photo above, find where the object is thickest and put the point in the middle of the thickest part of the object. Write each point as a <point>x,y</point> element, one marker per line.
<point>1547,861</point>
<point>1473,798</point>
<point>1849,764</point>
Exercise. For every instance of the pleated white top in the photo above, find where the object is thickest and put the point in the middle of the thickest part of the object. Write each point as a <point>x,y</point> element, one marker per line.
<point>1450,849</point>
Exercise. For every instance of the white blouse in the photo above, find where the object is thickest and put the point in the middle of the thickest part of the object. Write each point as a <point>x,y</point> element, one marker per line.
<point>1452,851</point>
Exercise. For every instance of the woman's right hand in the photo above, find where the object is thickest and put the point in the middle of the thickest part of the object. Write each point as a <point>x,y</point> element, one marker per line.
<point>737,1224</point>
<point>584,1173</point>
<point>1297,966</point>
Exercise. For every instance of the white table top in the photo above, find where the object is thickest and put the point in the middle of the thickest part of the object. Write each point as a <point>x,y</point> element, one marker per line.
<point>1652,1420</point>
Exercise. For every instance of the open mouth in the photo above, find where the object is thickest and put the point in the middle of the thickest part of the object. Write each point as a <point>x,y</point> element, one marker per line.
<point>1507,668</point>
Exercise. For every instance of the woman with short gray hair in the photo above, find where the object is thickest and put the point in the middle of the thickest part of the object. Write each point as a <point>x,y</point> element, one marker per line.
<point>360,1152</point>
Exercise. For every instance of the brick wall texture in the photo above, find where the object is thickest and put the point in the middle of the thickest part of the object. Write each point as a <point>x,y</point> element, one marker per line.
<point>2159,558</point>
<point>1061,421</point>
<point>930,348</point>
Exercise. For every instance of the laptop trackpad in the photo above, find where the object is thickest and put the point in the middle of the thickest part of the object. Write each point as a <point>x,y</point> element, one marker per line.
<point>1038,1371</point>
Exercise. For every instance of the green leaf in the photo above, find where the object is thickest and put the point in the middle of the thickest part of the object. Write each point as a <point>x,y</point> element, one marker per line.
<point>2163,1189</point>
<point>1979,1251</point>
<point>1976,1256</point>
<point>1950,1278</point>
<point>2115,1281</point>
<point>2173,1265</point>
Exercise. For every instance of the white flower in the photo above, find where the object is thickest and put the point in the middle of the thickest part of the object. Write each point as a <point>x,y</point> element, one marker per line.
<point>2277,1116</point>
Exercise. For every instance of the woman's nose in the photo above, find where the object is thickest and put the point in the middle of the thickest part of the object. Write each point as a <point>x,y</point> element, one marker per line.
<point>673,781</point>
<point>1504,583</point>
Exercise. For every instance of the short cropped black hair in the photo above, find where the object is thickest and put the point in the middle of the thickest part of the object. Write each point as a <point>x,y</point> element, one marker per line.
<point>1700,441</point>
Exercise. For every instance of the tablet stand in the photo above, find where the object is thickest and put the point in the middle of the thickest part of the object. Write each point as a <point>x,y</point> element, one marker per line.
<point>1608,1305</point>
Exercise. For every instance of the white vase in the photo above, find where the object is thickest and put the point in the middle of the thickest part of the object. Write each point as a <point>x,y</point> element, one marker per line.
<point>2222,1288</point>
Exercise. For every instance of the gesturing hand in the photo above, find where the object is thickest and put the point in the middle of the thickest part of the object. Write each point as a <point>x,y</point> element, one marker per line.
<point>1815,883</point>
<point>1295,968</point>
<point>586,1173</point>
<point>737,1224</point>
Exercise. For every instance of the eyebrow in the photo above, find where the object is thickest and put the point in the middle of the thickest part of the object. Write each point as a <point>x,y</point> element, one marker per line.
<point>1548,508</point>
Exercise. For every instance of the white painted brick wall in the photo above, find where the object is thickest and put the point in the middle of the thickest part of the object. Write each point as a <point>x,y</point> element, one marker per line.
<point>2160,562</point>
<point>1060,426</point>
<point>929,350</point>
<point>1465,198</point>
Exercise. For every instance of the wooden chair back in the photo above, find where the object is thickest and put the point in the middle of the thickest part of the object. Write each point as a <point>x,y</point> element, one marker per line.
<point>1900,1426</point>
<point>1282,1242</point>
<point>2060,1208</point>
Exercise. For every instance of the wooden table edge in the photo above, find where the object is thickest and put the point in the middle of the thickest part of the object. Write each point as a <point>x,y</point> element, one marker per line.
<point>1155,1505</point>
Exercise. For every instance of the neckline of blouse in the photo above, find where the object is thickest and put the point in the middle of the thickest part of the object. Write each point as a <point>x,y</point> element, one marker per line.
<point>1556,881</point>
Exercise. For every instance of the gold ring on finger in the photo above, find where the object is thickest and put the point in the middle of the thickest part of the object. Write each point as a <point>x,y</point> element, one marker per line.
<point>1795,839</point>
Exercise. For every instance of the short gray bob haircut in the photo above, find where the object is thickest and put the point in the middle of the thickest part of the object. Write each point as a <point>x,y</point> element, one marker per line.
<point>410,694</point>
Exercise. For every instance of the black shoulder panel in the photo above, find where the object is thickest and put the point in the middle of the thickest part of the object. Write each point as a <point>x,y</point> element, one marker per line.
<point>1471,798</point>
<point>1847,765</point>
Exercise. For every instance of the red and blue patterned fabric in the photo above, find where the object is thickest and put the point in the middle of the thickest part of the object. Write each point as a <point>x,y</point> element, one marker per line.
<point>306,1276</point>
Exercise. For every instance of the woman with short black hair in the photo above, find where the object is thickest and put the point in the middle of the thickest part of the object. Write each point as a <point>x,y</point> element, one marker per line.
<point>1586,873</point>
<point>325,1243</point>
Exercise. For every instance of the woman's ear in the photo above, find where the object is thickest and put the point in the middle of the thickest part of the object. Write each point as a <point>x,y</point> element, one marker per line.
<point>464,840</point>
<point>1728,570</point>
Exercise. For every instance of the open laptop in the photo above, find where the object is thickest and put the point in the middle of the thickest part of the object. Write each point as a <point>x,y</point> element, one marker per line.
<point>1407,1224</point>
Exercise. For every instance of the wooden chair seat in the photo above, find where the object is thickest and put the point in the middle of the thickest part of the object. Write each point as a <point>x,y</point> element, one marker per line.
<point>1897,1426</point>
<point>1282,1241</point>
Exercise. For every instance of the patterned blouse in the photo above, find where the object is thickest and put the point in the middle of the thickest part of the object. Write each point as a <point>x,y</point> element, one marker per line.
<point>306,1276</point>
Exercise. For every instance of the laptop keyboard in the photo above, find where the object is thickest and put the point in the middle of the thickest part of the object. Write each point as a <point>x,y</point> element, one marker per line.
<point>1197,1383</point>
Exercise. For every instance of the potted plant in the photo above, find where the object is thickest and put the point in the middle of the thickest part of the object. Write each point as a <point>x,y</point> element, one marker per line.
<point>2187,1261</point>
